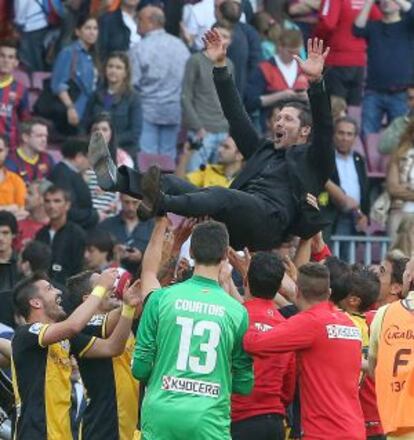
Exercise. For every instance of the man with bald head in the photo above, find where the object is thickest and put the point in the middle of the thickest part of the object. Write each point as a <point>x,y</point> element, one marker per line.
<point>158,63</point>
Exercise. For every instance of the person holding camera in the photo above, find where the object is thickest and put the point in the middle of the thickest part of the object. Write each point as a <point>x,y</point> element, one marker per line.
<point>202,113</point>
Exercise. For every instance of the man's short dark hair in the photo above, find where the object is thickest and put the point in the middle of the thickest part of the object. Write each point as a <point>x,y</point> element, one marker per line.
<point>305,115</point>
<point>347,120</point>
<point>26,127</point>
<point>38,255</point>
<point>11,43</point>
<point>231,11</point>
<point>209,243</point>
<point>74,146</point>
<point>265,275</point>
<point>313,281</point>
<point>398,263</point>
<point>101,240</point>
<point>8,219</point>
<point>24,291</point>
<point>365,285</point>
<point>337,270</point>
<point>76,287</point>
<point>57,189</point>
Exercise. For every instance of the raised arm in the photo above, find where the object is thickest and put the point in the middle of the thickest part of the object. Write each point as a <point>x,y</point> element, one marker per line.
<point>362,18</point>
<point>321,152</point>
<point>241,128</point>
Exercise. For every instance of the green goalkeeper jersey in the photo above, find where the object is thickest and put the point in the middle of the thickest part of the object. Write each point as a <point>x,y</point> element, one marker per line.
<point>189,352</point>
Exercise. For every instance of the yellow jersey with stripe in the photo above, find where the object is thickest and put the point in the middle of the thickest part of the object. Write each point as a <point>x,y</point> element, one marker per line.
<point>41,383</point>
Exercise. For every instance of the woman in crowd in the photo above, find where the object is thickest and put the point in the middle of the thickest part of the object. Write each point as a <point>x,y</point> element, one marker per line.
<point>400,181</point>
<point>105,202</point>
<point>120,100</point>
<point>75,74</point>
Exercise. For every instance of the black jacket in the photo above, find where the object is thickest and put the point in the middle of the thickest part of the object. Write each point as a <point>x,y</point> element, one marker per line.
<point>361,170</point>
<point>114,34</point>
<point>81,211</point>
<point>68,247</point>
<point>309,165</point>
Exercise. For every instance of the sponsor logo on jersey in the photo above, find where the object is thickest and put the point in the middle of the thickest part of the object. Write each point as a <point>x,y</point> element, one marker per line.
<point>190,386</point>
<point>394,333</point>
<point>262,327</point>
<point>36,328</point>
<point>343,332</point>
<point>97,320</point>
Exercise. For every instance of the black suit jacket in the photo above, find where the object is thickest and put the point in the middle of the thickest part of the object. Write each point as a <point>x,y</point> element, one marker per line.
<point>81,211</point>
<point>114,34</point>
<point>361,170</point>
<point>309,165</point>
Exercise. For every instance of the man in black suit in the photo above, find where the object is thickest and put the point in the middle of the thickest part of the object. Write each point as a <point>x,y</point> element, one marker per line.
<point>349,214</point>
<point>275,193</point>
<point>67,174</point>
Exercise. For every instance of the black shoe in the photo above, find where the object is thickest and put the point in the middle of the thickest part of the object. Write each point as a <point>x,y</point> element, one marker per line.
<point>101,161</point>
<point>151,191</point>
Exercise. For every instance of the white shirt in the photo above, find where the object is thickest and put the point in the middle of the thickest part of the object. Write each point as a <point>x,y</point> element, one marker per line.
<point>289,71</point>
<point>29,15</point>
<point>131,24</point>
<point>348,176</point>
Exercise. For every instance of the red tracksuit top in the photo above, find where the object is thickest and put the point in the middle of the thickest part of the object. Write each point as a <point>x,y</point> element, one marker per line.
<point>328,355</point>
<point>336,18</point>
<point>274,376</point>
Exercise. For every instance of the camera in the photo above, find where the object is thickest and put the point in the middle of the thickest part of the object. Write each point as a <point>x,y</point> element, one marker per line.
<point>195,144</point>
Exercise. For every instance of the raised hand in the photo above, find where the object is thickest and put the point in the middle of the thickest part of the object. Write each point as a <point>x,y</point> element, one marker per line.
<point>132,294</point>
<point>215,48</point>
<point>312,67</point>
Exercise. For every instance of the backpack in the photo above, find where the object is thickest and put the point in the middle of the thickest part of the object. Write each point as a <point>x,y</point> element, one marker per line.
<point>53,9</point>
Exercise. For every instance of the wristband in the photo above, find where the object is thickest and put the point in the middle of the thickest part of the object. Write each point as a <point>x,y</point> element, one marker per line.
<point>128,311</point>
<point>322,254</point>
<point>99,292</point>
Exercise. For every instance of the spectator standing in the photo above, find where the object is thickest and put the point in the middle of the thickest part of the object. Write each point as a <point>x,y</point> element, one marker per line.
<point>229,163</point>
<point>12,187</point>
<point>280,77</point>
<point>347,59</point>
<point>131,234</point>
<point>31,160</point>
<point>37,217</point>
<point>202,113</point>
<point>391,136</point>
<point>117,97</point>
<point>66,239</point>
<point>31,20</point>
<point>14,101</point>
<point>75,75</point>
<point>391,359</point>
<point>391,38</point>
<point>118,29</point>
<point>329,349</point>
<point>68,175</point>
<point>158,63</point>
<point>351,176</point>
<point>8,266</point>
<point>262,412</point>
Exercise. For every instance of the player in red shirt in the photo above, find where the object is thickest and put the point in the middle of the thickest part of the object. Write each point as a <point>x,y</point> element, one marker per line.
<point>260,415</point>
<point>328,348</point>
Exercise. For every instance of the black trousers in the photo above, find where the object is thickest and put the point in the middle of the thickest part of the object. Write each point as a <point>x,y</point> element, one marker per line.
<point>263,427</point>
<point>251,221</point>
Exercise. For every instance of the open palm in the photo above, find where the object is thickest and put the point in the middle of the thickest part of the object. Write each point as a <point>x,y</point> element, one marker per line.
<point>313,66</point>
<point>215,48</point>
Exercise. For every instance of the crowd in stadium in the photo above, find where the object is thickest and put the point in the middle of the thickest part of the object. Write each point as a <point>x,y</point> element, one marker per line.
<point>206,219</point>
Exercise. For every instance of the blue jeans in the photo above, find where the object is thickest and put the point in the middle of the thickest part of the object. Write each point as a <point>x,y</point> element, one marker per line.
<point>159,139</point>
<point>377,104</point>
<point>208,152</point>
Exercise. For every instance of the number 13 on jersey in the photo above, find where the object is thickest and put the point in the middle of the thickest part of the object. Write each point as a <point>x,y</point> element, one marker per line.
<point>188,330</point>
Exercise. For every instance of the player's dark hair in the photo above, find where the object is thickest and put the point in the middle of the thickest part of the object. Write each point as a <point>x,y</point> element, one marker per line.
<point>337,269</point>
<point>305,115</point>
<point>101,240</point>
<point>365,285</point>
<point>313,282</point>
<point>265,275</point>
<point>57,189</point>
<point>38,255</point>
<point>8,219</point>
<point>398,263</point>
<point>24,291</point>
<point>76,287</point>
<point>209,243</point>
<point>74,146</point>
